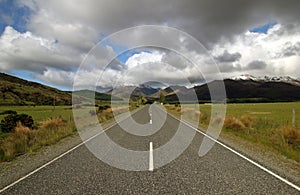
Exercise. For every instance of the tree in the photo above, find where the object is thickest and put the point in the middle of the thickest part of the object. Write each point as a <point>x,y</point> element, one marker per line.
<point>162,98</point>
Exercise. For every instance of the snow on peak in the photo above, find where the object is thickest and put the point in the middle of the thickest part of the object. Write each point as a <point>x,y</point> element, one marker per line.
<point>286,79</point>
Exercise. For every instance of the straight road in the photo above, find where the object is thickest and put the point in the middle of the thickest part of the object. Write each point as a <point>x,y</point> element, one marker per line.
<point>219,172</point>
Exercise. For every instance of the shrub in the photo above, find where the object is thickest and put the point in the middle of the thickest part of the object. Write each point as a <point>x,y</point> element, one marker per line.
<point>8,112</point>
<point>103,107</point>
<point>291,135</point>
<point>233,123</point>
<point>9,122</point>
<point>17,143</point>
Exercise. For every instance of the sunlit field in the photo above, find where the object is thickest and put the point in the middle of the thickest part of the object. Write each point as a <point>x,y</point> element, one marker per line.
<point>51,124</point>
<point>273,125</point>
<point>40,113</point>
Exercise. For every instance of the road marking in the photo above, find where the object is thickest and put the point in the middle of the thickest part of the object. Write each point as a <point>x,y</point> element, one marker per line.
<point>63,154</point>
<point>150,122</point>
<point>151,157</point>
<point>239,154</point>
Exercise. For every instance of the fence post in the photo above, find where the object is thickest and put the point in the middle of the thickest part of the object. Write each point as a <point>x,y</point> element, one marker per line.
<point>293,118</point>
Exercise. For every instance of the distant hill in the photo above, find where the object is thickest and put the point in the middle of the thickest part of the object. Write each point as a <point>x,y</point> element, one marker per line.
<point>16,91</point>
<point>96,95</point>
<point>133,91</point>
<point>248,91</point>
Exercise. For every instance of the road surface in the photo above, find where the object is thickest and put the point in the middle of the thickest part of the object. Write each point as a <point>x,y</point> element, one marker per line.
<point>219,172</point>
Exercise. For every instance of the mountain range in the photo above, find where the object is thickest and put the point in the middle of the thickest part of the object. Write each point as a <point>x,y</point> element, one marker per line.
<point>244,88</point>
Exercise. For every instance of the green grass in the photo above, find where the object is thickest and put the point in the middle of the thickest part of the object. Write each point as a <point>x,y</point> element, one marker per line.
<point>40,113</point>
<point>272,124</point>
<point>276,114</point>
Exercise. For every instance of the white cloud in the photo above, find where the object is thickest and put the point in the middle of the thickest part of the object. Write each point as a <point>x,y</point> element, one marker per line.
<point>267,49</point>
<point>144,57</point>
<point>29,52</point>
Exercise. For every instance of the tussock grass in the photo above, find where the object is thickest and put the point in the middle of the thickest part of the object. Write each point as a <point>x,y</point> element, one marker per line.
<point>271,128</point>
<point>48,131</point>
<point>24,140</point>
<point>291,135</point>
<point>52,123</point>
<point>234,123</point>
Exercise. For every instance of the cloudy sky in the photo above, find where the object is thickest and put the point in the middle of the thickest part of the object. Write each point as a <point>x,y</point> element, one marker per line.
<point>46,41</point>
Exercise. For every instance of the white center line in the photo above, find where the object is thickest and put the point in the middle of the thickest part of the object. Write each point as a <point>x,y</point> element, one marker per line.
<point>151,157</point>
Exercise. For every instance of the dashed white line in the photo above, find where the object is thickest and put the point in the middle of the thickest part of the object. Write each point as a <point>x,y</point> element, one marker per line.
<point>151,167</point>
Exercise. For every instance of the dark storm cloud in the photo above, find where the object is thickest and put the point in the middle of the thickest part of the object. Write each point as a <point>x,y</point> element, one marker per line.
<point>229,57</point>
<point>207,20</point>
<point>256,65</point>
<point>117,65</point>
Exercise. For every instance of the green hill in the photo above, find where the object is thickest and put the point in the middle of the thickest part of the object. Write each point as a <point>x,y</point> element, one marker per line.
<point>16,91</point>
<point>97,95</point>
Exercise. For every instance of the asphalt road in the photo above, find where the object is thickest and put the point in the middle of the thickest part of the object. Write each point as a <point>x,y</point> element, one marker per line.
<point>219,172</point>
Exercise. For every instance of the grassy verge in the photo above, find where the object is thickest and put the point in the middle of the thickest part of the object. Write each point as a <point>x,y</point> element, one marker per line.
<point>23,140</point>
<point>52,125</point>
<point>268,125</point>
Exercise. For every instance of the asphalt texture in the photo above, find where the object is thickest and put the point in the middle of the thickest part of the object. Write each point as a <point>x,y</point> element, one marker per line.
<point>218,172</point>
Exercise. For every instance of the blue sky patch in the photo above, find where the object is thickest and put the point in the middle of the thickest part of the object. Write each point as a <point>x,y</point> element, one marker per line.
<point>29,76</point>
<point>123,51</point>
<point>263,28</point>
<point>13,15</point>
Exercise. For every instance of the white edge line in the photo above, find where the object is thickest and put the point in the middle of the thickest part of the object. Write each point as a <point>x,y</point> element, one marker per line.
<point>151,167</point>
<point>63,154</point>
<point>239,154</point>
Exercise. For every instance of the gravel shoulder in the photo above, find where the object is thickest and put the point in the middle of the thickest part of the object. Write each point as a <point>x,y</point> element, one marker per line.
<point>272,160</point>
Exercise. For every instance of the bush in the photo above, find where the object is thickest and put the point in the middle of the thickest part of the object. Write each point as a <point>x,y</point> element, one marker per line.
<point>103,107</point>
<point>8,112</point>
<point>9,123</point>
<point>291,135</point>
<point>17,143</point>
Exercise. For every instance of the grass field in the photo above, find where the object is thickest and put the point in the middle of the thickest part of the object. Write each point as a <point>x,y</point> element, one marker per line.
<point>40,113</point>
<point>267,124</point>
<point>276,114</point>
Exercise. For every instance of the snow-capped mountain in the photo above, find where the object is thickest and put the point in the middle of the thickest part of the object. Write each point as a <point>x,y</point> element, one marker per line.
<point>285,79</point>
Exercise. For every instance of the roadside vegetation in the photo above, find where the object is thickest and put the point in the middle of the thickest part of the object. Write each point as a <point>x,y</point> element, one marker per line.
<point>269,125</point>
<point>39,126</point>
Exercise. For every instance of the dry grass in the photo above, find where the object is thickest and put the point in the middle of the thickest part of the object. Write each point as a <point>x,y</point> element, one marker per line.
<point>52,123</point>
<point>248,121</point>
<point>269,129</point>
<point>17,143</point>
<point>24,140</point>
<point>291,135</point>
<point>234,123</point>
